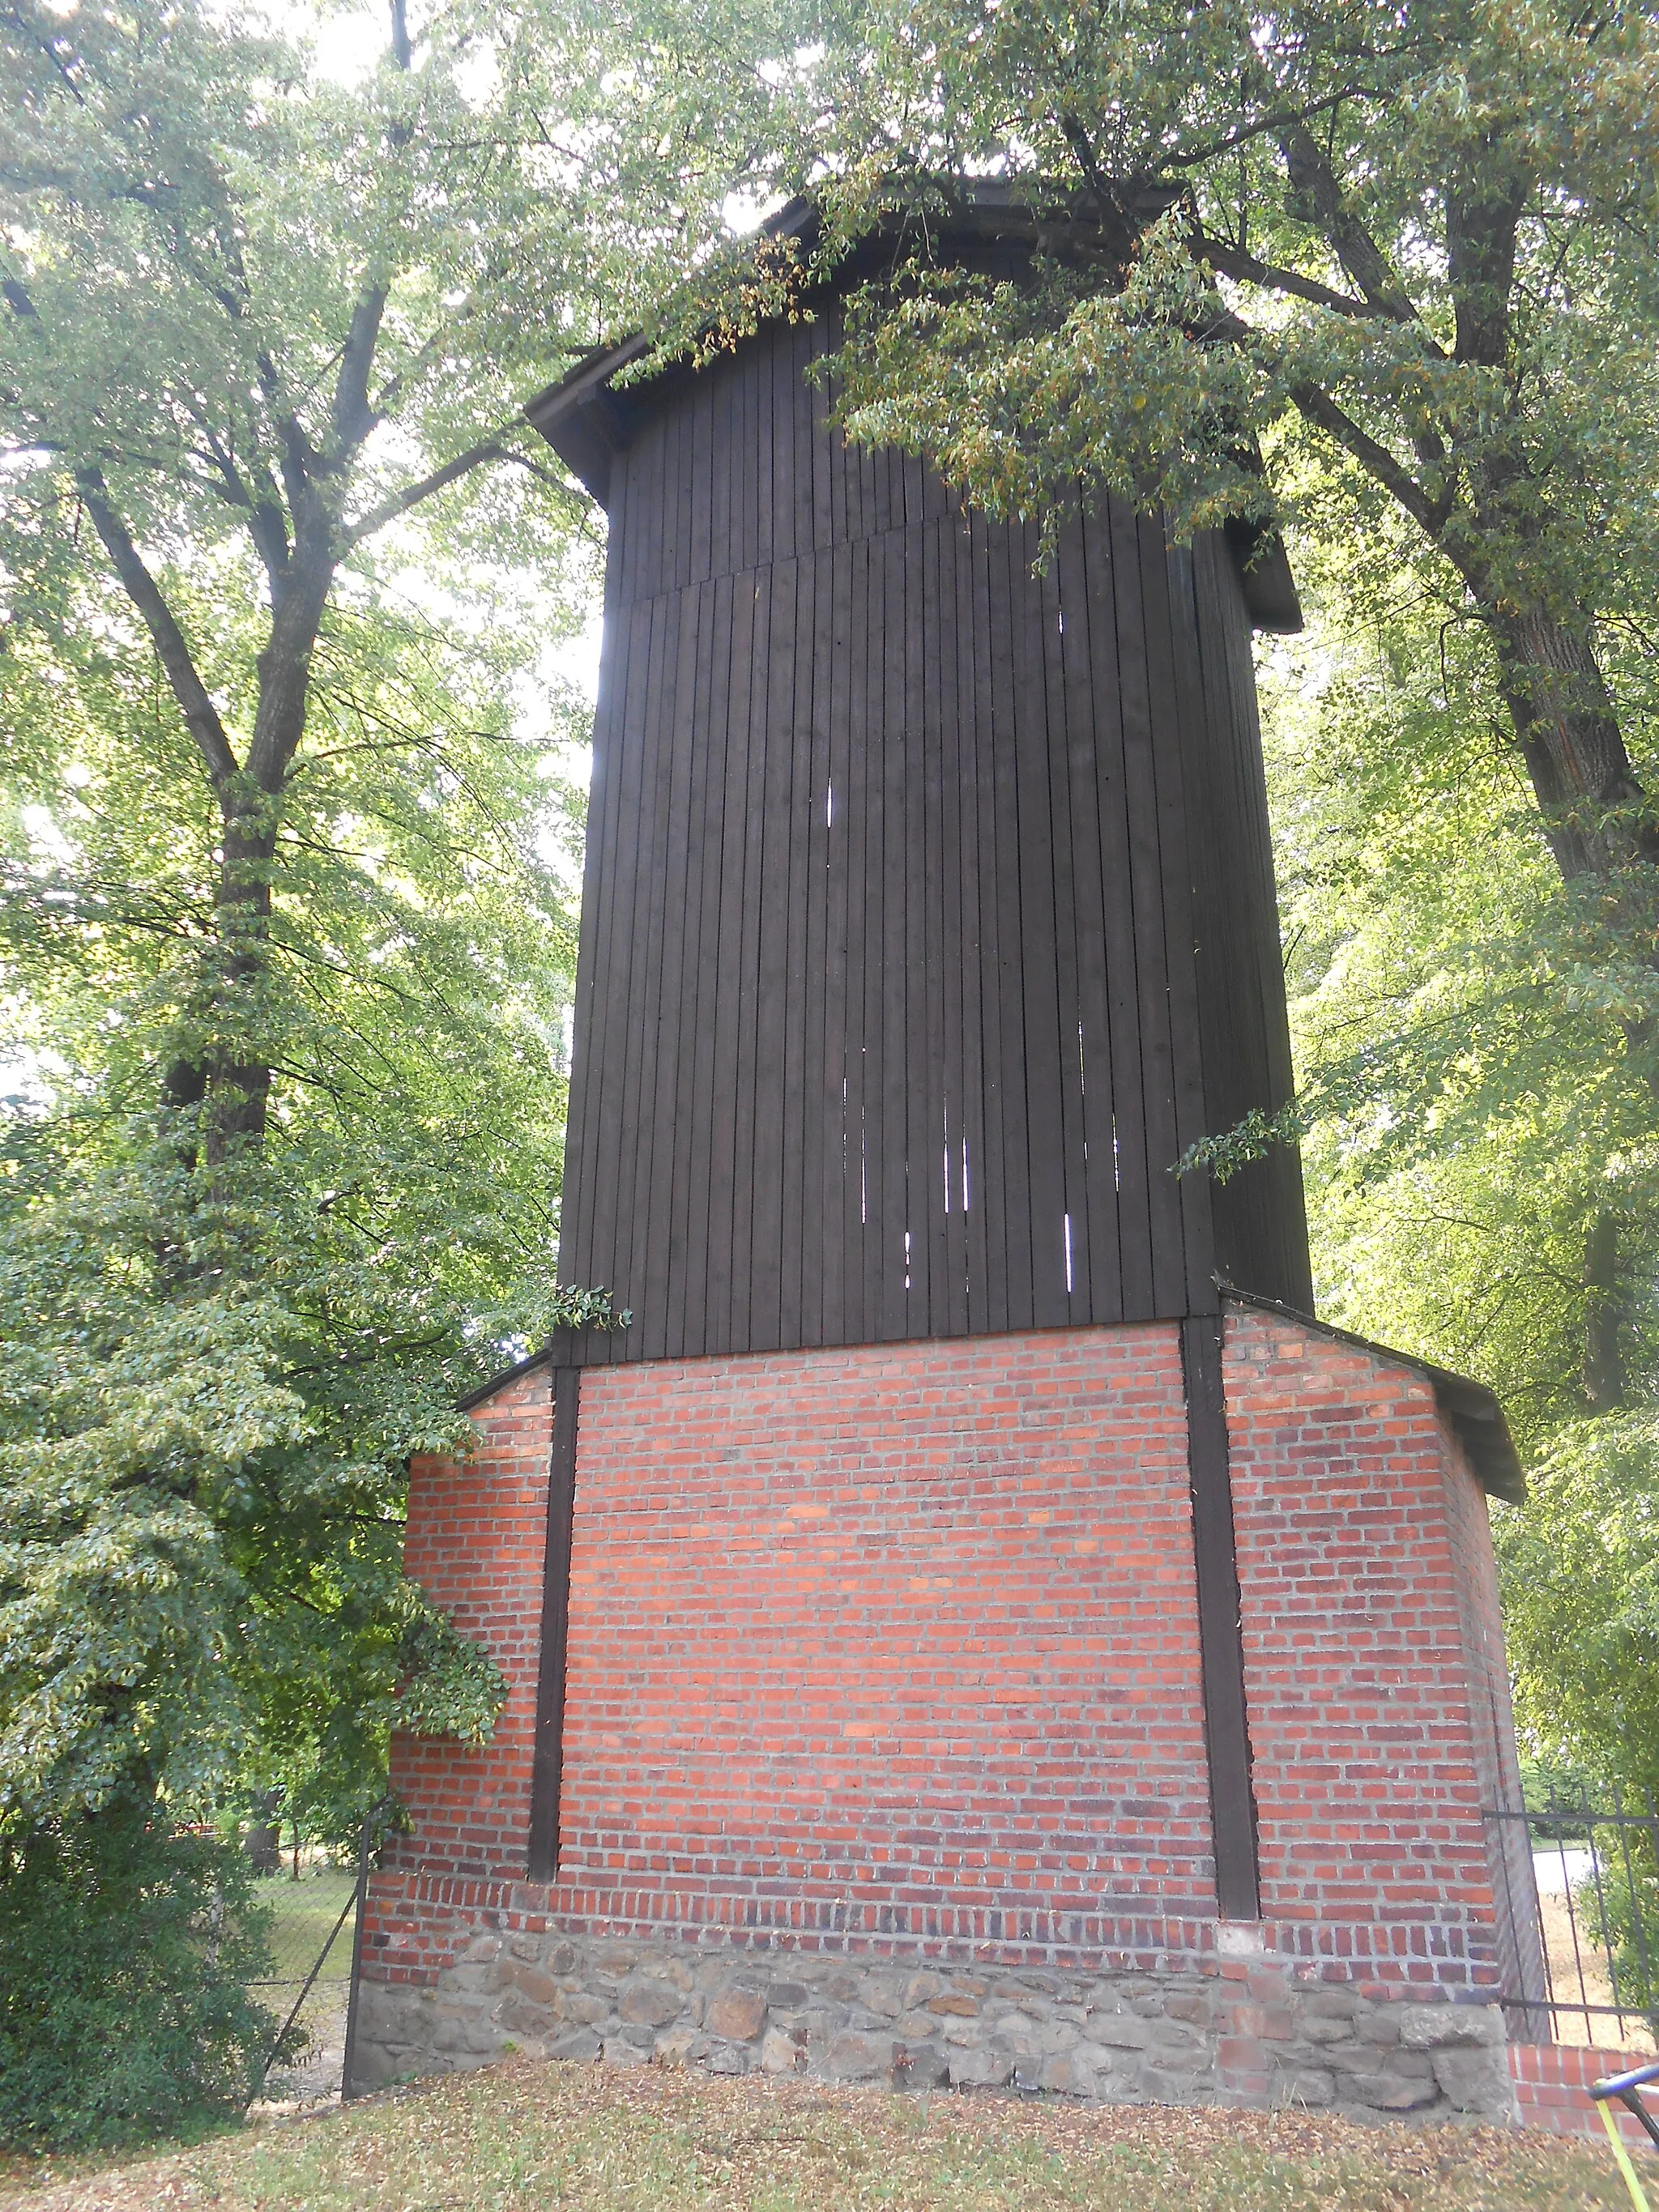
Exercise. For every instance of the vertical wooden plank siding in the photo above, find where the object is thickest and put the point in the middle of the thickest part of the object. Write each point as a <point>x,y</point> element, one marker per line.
<point>928,911</point>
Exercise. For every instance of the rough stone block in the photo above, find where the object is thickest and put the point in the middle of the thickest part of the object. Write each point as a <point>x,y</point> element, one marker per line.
<point>470,1981</point>
<point>1477,2081</point>
<point>619,2050</point>
<point>980,2068</point>
<point>736,2015</point>
<point>1120,2031</point>
<point>1304,2085</point>
<point>783,2051</point>
<point>1331,2004</point>
<point>1071,2074</point>
<point>579,2043</point>
<point>516,2013</point>
<point>1433,2026</point>
<point>643,2000</point>
<point>1393,2093</point>
<point>883,1995</point>
<point>854,2055</point>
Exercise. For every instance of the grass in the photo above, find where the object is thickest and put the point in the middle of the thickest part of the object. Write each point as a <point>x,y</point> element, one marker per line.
<point>594,2140</point>
<point>305,1912</point>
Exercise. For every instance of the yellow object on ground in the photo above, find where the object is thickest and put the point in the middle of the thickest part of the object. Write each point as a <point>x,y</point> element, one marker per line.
<point>1636,2197</point>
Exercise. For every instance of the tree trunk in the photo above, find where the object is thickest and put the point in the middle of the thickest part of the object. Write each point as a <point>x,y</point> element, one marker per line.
<point>238,1080</point>
<point>1604,1358</point>
<point>238,1084</point>
<point>1595,812</point>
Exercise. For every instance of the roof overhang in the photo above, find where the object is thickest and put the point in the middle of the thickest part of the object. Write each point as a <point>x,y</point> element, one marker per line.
<point>588,421</point>
<point>516,1373</point>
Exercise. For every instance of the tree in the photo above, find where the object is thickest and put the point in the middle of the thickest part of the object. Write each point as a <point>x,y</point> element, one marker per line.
<point>1421,245</point>
<point>258,319</point>
<point>287,916</point>
<point>1473,1118</point>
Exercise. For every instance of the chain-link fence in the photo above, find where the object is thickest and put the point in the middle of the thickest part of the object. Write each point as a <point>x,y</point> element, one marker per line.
<point>311,1944</point>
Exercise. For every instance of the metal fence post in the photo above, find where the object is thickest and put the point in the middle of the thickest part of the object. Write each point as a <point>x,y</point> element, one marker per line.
<point>347,2089</point>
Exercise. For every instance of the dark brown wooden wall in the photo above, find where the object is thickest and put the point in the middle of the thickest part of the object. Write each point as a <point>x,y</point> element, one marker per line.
<point>928,913</point>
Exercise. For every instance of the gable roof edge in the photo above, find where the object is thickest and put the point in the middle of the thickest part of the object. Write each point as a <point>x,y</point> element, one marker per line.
<point>1476,1416</point>
<point>588,424</point>
<point>520,1368</point>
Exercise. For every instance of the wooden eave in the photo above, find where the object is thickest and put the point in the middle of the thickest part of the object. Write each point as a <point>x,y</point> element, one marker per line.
<point>589,423</point>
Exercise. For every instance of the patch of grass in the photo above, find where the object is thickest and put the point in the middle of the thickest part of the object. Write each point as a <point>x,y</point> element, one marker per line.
<point>526,2136</point>
<point>302,1914</point>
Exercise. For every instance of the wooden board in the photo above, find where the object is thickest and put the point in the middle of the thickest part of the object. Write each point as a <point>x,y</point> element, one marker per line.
<point>928,913</point>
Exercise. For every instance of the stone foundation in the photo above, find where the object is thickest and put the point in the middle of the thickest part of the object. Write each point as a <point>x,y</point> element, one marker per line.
<point>1246,2033</point>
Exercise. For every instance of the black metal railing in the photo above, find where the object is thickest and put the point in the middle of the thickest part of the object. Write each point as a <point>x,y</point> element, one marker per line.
<point>1579,1883</point>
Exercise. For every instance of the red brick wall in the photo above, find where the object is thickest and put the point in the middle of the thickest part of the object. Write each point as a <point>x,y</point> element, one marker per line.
<point>902,1637</point>
<point>1553,2084</point>
<point>1356,1521</point>
<point>900,1640</point>
<point>478,1531</point>
<point>898,1644</point>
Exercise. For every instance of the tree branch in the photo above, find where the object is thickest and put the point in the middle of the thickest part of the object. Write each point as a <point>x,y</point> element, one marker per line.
<point>201,715</point>
<point>474,457</point>
<point>1318,408</point>
<point>1312,177</point>
<point>1264,126</point>
<point>265,522</point>
<point>1234,261</point>
<point>352,417</point>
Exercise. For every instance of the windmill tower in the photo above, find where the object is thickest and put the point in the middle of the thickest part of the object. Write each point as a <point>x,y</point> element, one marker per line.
<point>971,1558</point>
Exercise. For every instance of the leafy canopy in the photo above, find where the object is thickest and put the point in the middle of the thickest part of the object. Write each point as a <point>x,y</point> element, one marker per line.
<point>286,894</point>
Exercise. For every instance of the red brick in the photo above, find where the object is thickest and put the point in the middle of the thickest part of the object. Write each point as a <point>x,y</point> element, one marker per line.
<point>897,1645</point>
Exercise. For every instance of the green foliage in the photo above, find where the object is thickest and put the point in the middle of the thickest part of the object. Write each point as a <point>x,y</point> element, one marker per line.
<point>215,1378</point>
<point>1477,1100</point>
<point>1581,1568</point>
<point>203,1440</point>
<point>1274,208</point>
<point>125,1951</point>
<point>279,1175</point>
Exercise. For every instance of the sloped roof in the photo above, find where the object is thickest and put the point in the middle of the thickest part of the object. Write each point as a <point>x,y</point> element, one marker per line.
<point>588,422</point>
<point>1475,1412</point>
<point>1476,1417</point>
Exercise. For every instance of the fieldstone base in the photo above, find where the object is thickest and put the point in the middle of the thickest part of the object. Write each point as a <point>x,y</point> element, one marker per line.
<point>1177,2038</point>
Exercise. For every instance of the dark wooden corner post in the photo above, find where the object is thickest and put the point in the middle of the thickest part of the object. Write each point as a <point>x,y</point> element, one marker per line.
<point>548,1764</point>
<point>1226,1727</point>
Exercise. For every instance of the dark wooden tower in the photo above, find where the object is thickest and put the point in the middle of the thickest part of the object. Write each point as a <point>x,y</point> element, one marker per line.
<point>929,909</point>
